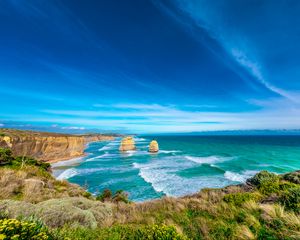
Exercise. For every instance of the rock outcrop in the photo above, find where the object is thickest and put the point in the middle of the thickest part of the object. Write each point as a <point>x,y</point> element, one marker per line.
<point>127,144</point>
<point>50,147</point>
<point>153,146</point>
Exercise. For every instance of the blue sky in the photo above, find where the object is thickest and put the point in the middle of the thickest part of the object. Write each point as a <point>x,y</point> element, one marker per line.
<point>149,66</point>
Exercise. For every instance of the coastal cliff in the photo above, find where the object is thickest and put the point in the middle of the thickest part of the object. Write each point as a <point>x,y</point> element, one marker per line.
<point>51,147</point>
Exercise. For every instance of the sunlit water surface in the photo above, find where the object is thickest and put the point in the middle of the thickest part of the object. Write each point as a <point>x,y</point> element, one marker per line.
<point>184,164</point>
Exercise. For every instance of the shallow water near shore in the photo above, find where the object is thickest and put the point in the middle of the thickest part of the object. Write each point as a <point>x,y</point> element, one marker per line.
<point>184,164</point>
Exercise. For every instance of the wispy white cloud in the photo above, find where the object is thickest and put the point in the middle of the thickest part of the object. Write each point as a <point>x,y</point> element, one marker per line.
<point>187,121</point>
<point>208,15</point>
<point>132,106</point>
<point>275,112</point>
<point>254,68</point>
<point>73,128</point>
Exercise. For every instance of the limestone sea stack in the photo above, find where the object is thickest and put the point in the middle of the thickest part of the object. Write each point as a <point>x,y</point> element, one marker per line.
<point>127,144</point>
<point>153,146</point>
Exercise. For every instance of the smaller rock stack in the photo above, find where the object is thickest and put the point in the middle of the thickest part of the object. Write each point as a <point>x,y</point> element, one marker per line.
<point>127,144</point>
<point>153,146</point>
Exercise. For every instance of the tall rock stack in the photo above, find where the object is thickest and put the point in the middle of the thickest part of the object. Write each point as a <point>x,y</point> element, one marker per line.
<point>153,146</point>
<point>127,144</point>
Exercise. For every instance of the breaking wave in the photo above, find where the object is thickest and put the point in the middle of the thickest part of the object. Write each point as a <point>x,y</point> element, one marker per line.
<point>169,151</point>
<point>106,147</point>
<point>163,178</point>
<point>208,160</point>
<point>105,155</point>
<point>71,172</point>
<point>67,162</point>
<point>239,177</point>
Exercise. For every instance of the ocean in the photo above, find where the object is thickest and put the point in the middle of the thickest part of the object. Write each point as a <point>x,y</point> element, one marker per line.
<point>184,164</point>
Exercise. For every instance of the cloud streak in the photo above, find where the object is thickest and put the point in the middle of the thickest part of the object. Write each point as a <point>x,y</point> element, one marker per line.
<point>211,17</point>
<point>276,112</point>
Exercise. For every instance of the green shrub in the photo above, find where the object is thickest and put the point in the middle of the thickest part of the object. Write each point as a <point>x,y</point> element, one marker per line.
<point>7,159</point>
<point>266,182</point>
<point>157,232</point>
<point>291,199</point>
<point>22,230</point>
<point>118,196</point>
<point>239,198</point>
<point>153,232</point>
<point>5,156</point>
<point>87,195</point>
<point>283,185</point>
<point>267,234</point>
<point>106,195</point>
<point>21,161</point>
<point>2,134</point>
<point>223,231</point>
<point>293,177</point>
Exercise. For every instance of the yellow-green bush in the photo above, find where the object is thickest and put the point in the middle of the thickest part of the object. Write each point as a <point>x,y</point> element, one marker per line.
<point>118,232</point>
<point>157,232</point>
<point>291,199</point>
<point>22,230</point>
<point>239,198</point>
<point>266,182</point>
<point>293,177</point>
<point>108,196</point>
<point>7,159</point>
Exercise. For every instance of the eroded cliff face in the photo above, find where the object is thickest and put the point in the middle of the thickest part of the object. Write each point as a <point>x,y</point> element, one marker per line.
<point>127,144</point>
<point>153,146</point>
<point>50,147</point>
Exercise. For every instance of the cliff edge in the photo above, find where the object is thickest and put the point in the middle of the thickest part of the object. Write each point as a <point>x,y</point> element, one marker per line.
<point>44,146</point>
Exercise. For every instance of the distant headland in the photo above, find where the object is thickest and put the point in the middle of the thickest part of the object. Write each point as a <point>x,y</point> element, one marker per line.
<point>48,147</point>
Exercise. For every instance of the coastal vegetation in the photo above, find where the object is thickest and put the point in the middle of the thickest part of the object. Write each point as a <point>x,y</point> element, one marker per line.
<point>25,178</point>
<point>108,196</point>
<point>267,206</point>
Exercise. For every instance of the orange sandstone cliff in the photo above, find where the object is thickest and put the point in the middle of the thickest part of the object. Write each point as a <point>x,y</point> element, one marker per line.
<point>51,147</point>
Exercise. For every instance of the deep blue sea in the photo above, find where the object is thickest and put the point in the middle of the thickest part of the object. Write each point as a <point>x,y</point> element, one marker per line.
<point>184,164</point>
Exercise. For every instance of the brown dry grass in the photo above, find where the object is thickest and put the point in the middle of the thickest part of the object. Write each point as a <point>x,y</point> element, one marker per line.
<point>33,185</point>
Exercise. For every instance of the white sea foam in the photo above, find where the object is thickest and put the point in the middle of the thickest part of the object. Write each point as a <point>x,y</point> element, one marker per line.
<point>71,172</point>
<point>105,155</point>
<point>209,159</point>
<point>106,147</point>
<point>163,178</point>
<point>113,181</point>
<point>129,153</point>
<point>70,162</point>
<point>158,178</point>
<point>67,174</point>
<point>239,177</point>
<point>139,139</point>
<point>114,143</point>
<point>169,151</point>
<point>236,177</point>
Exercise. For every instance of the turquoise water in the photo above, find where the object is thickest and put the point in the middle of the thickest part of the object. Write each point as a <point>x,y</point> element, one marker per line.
<point>184,165</point>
